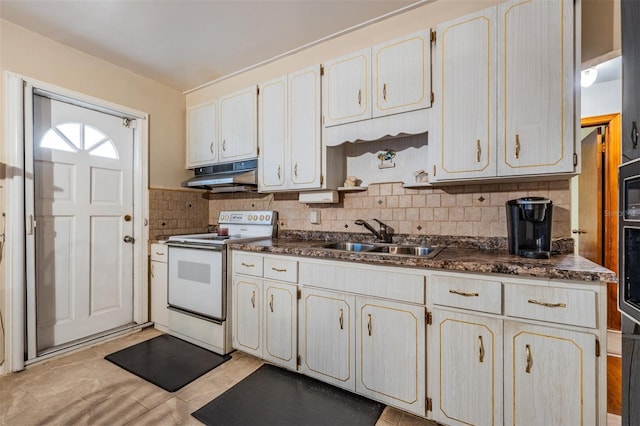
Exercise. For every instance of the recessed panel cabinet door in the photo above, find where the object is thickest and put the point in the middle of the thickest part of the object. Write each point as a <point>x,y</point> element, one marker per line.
<point>536,117</point>
<point>273,134</point>
<point>247,315</point>
<point>327,337</point>
<point>467,377</point>
<point>402,74</point>
<point>280,319</point>
<point>239,125</point>
<point>549,376</point>
<point>390,353</point>
<point>464,72</point>
<point>304,128</point>
<point>202,135</point>
<point>630,30</point>
<point>346,86</point>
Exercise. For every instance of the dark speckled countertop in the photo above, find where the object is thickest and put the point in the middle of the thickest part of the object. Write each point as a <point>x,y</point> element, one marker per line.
<point>452,258</point>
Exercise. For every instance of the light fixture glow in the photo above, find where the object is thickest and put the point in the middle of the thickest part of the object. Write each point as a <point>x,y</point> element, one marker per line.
<point>588,77</point>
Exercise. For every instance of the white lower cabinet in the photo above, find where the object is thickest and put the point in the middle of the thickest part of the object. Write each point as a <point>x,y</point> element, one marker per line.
<point>549,376</point>
<point>158,276</point>
<point>247,314</point>
<point>327,343</point>
<point>280,324</point>
<point>469,378</point>
<point>390,353</point>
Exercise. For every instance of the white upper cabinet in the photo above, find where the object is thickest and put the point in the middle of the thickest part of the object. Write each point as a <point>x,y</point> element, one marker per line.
<point>346,88</point>
<point>239,125</point>
<point>465,83</point>
<point>290,136</point>
<point>202,135</point>
<point>385,79</point>
<point>536,113</point>
<point>504,92</point>
<point>401,76</point>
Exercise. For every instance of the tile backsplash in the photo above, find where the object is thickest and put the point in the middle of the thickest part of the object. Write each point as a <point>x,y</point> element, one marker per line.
<point>174,212</point>
<point>462,210</point>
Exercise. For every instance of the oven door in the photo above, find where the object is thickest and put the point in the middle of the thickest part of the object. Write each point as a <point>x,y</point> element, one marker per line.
<point>197,283</point>
<point>629,237</point>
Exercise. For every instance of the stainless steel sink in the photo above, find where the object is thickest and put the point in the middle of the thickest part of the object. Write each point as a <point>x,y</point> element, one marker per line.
<point>409,250</point>
<point>347,246</point>
<point>395,249</point>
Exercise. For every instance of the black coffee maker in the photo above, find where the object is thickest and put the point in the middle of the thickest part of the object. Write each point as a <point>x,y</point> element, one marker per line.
<point>529,227</point>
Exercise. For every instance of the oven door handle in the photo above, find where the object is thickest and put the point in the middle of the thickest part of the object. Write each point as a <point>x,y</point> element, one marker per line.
<point>214,247</point>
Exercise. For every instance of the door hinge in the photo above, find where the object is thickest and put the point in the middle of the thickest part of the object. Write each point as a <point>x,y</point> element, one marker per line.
<point>258,152</point>
<point>298,360</point>
<point>298,294</point>
<point>323,120</point>
<point>129,123</point>
<point>321,70</point>
<point>433,97</point>
<point>428,317</point>
<point>597,348</point>
<point>434,170</point>
<point>433,36</point>
<point>429,404</point>
<point>258,91</point>
<point>575,159</point>
<point>321,179</point>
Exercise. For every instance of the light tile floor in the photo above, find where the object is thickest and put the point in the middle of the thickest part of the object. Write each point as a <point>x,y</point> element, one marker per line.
<point>84,389</point>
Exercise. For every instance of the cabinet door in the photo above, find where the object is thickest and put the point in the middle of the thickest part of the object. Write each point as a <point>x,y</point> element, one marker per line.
<point>464,72</point>
<point>159,312</point>
<point>346,88</point>
<point>466,374</point>
<point>247,315</point>
<point>280,324</point>
<point>630,31</point>
<point>327,337</point>
<point>239,125</point>
<point>536,116</point>
<point>390,359</point>
<point>401,76</point>
<point>550,376</point>
<point>202,135</point>
<point>273,134</point>
<point>305,130</point>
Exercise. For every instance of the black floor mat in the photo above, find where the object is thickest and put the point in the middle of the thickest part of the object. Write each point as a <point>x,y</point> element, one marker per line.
<point>167,361</point>
<point>274,396</point>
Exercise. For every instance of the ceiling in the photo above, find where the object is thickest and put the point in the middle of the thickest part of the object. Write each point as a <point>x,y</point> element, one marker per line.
<point>186,43</point>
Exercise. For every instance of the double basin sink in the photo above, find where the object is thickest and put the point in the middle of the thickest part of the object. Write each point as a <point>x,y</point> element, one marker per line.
<point>397,249</point>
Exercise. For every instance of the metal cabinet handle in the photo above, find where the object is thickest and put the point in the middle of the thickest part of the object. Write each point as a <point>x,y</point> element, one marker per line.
<point>341,319</point>
<point>369,325</point>
<point>159,253</point>
<point>517,151</point>
<point>295,170</point>
<point>253,298</point>
<point>634,134</point>
<point>152,268</point>
<point>465,294</point>
<point>278,269</point>
<point>481,349</point>
<point>224,144</point>
<point>278,172</point>
<point>529,364</point>
<point>211,147</point>
<point>271,303</point>
<point>547,304</point>
<point>359,97</point>
<point>384,92</point>
<point>478,151</point>
<point>248,265</point>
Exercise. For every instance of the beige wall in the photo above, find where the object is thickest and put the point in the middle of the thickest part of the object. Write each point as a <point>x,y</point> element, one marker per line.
<point>29,54</point>
<point>600,30</point>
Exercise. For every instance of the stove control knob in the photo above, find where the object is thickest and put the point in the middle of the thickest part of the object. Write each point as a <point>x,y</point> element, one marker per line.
<point>267,218</point>
<point>261,217</point>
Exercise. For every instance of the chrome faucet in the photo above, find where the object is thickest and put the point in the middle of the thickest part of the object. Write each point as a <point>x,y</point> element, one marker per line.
<point>383,235</point>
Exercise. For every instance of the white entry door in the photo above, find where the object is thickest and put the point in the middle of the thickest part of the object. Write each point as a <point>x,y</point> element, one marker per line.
<point>81,252</point>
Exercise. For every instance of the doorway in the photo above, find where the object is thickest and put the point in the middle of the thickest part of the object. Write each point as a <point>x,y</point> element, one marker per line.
<point>35,166</point>
<point>597,232</point>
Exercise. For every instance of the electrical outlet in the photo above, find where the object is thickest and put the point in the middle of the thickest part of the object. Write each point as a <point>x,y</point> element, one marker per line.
<point>315,217</point>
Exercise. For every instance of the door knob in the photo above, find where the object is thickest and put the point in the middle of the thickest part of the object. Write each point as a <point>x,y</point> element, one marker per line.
<point>129,239</point>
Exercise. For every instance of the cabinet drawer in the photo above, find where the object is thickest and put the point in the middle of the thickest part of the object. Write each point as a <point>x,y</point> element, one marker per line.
<point>248,264</point>
<point>467,293</point>
<point>553,304</point>
<point>281,269</point>
<point>159,252</point>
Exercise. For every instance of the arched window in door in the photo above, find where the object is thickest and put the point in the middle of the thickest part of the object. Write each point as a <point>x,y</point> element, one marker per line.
<point>74,137</point>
